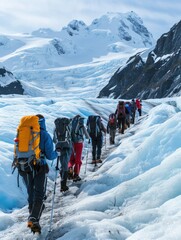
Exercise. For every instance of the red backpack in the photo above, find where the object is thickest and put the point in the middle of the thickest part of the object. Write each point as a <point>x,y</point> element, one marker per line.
<point>112,120</point>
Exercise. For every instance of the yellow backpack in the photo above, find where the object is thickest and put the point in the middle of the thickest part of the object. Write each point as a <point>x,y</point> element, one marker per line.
<point>26,150</point>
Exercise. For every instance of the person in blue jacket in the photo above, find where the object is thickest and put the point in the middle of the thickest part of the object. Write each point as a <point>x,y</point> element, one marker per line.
<point>35,181</point>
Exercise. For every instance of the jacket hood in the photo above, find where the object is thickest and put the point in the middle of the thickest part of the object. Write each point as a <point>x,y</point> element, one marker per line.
<point>42,123</point>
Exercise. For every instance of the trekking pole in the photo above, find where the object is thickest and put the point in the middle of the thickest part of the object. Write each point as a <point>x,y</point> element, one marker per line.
<point>105,141</point>
<point>95,165</point>
<point>87,153</point>
<point>45,196</point>
<point>14,168</point>
<point>55,184</point>
<point>14,165</point>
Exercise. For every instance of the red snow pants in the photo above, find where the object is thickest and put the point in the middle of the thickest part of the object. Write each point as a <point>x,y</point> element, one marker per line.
<point>76,157</point>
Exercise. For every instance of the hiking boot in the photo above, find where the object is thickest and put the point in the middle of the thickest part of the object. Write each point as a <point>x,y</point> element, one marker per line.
<point>70,173</point>
<point>34,225</point>
<point>93,161</point>
<point>76,178</point>
<point>64,188</point>
<point>99,161</point>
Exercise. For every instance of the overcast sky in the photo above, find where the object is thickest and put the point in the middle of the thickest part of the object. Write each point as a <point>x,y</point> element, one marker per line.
<point>19,16</point>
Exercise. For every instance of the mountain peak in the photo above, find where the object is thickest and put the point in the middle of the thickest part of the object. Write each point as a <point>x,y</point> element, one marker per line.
<point>74,27</point>
<point>45,52</point>
<point>45,33</point>
<point>128,27</point>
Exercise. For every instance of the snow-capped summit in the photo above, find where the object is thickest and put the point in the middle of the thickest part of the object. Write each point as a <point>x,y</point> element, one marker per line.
<point>127,27</point>
<point>107,34</point>
<point>41,57</point>
<point>74,27</point>
<point>45,33</point>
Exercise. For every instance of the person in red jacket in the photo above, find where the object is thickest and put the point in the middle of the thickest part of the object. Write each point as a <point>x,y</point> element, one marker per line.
<point>139,106</point>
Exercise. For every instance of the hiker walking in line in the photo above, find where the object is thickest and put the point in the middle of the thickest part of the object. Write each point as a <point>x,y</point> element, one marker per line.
<point>78,132</point>
<point>111,127</point>
<point>63,140</point>
<point>121,116</point>
<point>33,170</point>
<point>96,129</point>
<point>139,106</point>
<point>133,110</point>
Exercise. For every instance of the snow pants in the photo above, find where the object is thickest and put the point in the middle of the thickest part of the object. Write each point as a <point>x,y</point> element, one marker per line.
<point>76,158</point>
<point>133,117</point>
<point>112,134</point>
<point>35,183</point>
<point>64,160</point>
<point>121,124</point>
<point>140,112</point>
<point>97,147</point>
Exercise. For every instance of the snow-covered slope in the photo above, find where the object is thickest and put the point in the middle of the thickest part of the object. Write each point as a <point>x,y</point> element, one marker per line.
<point>41,59</point>
<point>134,195</point>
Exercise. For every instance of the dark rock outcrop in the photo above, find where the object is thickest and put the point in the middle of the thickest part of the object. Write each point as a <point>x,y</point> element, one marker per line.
<point>159,76</point>
<point>13,86</point>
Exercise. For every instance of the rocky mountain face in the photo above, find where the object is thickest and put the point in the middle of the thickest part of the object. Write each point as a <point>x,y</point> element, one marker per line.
<point>8,84</point>
<point>159,76</point>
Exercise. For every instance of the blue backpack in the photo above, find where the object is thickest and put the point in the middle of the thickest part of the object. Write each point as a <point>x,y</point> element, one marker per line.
<point>77,129</point>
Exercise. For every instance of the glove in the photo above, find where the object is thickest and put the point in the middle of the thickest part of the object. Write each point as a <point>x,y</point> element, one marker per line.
<point>58,150</point>
<point>58,147</point>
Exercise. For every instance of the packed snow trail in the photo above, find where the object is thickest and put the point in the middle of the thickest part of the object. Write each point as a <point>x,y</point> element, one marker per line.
<point>62,202</point>
<point>72,195</point>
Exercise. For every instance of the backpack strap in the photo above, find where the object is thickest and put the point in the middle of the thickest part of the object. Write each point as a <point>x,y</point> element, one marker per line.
<point>34,137</point>
<point>68,133</point>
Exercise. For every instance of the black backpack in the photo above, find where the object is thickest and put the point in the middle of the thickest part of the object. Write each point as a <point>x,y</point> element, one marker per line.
<point>94,126</point>
<point>62,135</point>
<point>77,128</point>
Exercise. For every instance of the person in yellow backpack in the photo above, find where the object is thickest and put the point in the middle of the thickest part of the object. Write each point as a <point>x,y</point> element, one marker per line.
<point>35,180</point>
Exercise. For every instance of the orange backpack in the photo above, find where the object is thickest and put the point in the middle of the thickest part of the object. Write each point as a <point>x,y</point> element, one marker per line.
<point>26,149</point>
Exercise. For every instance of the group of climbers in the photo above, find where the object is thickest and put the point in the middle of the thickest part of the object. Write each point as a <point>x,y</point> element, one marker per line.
<point>33,145</point>
<point>69,140</point>
<point>123,117</point>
